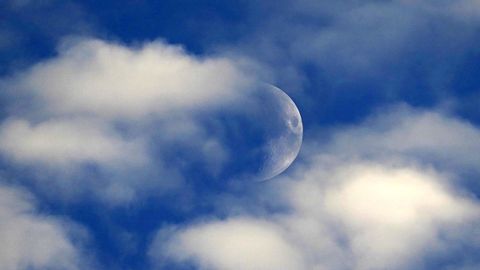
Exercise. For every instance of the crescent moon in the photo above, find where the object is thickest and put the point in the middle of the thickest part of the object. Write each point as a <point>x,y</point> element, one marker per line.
<point>283,149</point>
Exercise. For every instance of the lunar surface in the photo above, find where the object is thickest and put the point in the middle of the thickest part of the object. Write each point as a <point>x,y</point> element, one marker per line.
<point>286,139</point>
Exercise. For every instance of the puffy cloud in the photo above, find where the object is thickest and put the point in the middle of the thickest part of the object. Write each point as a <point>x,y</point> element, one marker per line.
<point>111,80</point>
<point>359,209</point>
<point>245,244</point>
<point>391,217</point>
<point>36,241</point>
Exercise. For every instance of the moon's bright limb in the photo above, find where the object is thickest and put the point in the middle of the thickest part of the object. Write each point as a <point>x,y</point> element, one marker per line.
<point>282,149</point>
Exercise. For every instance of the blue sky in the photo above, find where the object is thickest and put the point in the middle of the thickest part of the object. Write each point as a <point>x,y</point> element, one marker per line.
<point>127,135</point>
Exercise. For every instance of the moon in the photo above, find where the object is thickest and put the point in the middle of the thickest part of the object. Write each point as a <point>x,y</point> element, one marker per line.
<point>252,138</point>
<point>286,136</point>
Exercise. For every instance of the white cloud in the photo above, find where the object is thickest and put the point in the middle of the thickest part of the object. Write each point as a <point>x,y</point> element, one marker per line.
<point>426,136</point>
<point>35,241</point>
<point>357,210</point>
<point>67,141</point>
<point>228,245</point>
<point>81,158</point>
<point>391,217</point>
<point>111,80</point>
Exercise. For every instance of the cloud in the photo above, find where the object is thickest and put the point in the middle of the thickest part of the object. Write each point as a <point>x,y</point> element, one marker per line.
<point>392,217</point>
<point>245,244</point>
<point>430,137</point>
<point>375,206</point>
<point>110,80</point>
<point>117,116</point>
<point>36,241</point>
<point>67,141</point>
